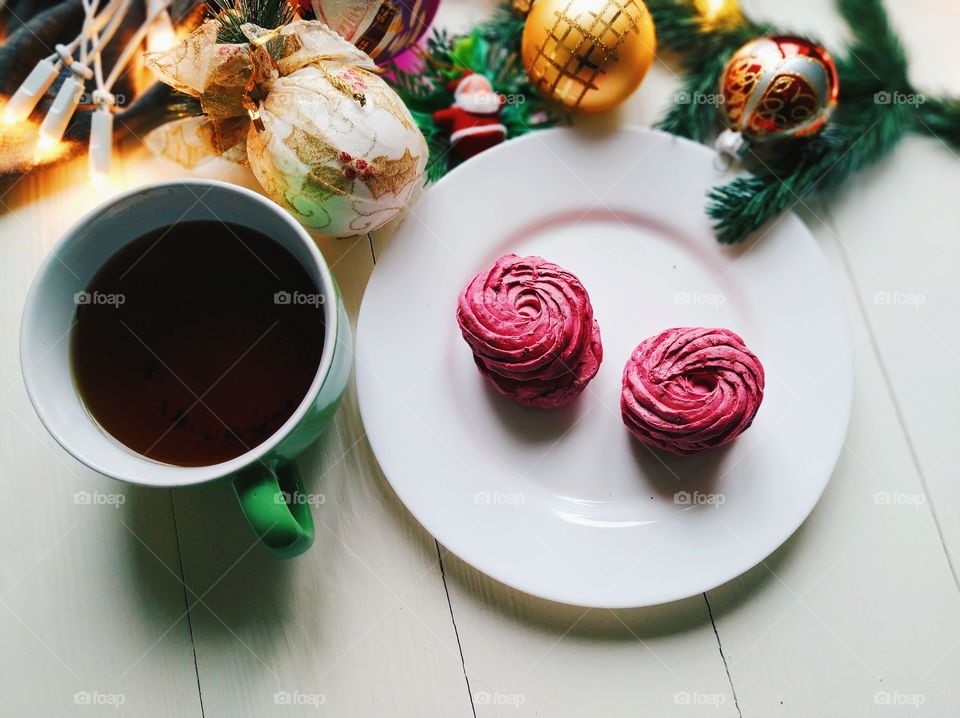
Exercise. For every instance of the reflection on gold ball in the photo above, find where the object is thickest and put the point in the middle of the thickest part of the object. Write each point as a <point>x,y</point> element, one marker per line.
<point>588,55</point>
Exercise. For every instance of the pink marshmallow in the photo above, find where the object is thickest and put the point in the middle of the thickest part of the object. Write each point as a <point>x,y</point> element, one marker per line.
<point>690,390</point>
<point>530,325</point>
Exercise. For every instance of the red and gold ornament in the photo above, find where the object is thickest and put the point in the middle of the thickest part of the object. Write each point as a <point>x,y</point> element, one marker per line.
<point>775,87</point>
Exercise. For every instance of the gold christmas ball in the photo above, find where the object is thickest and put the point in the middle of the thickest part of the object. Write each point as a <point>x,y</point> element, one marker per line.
<point>588,55</point>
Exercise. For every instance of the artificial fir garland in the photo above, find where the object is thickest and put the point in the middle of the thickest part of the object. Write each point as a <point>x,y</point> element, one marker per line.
<point>492,50</point>
<point>861,132</point>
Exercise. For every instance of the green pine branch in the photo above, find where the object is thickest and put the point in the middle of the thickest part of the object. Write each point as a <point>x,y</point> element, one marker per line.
<point>703,53</point>
<point>686,118</point>
<point>491,49</point>
<point>877,107</point>
<point>819,164</point>
<point>505,26</point>
<point>233,14</point>
<point>876,59</point>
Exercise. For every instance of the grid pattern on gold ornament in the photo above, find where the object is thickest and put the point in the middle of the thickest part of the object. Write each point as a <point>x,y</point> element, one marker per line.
<point>601,37</point>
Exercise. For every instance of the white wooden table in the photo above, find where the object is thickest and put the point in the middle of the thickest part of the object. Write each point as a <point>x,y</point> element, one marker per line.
<point>163,606</point>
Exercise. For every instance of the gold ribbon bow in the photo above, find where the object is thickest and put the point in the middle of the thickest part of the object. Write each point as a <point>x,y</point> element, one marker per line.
<point>232,80</point>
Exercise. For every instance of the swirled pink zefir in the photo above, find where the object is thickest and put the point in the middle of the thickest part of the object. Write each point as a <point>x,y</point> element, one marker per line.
<point>530,325</point>
<point>689,390</point>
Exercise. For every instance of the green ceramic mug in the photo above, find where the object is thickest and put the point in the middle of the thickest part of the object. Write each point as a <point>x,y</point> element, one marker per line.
<point>265,478</point>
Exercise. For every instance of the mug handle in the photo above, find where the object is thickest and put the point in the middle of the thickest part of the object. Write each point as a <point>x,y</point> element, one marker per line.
<point>286,529</point>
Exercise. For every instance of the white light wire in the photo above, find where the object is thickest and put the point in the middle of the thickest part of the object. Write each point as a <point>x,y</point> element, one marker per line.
<point>134,43</point>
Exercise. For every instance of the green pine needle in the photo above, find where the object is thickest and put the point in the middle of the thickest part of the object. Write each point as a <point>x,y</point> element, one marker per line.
<point>505,24</point>
<point>233,14</point>
<point>941,118</point>
<point>688,119</point>
<point>876,58</point>
<point>816,165</point>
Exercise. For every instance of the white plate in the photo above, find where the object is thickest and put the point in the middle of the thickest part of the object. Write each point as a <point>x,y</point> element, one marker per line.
<point>566,504</point>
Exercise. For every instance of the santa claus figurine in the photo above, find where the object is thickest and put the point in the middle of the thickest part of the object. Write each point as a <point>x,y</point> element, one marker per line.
<point>474,117</point>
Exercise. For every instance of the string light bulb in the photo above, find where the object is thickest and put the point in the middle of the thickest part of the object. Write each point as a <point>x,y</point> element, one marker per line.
<point>30,91</point>
<point>60,112</point>
<point>101,140</point>
<point>99,27</point>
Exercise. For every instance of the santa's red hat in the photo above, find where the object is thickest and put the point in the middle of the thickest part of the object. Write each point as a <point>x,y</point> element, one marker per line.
<point>452,85</point>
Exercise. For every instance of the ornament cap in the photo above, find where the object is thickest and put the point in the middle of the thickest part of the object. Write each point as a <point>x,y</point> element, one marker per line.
<point>731,145</point>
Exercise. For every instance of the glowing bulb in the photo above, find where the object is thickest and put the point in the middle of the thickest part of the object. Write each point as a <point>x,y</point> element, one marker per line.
<point>46,143</point>
<point>161,35</point>
<point>717,10</point>
<point>98,180</point>
<point>161,38</point>
<point>29,93</point>
<point>48,148</point>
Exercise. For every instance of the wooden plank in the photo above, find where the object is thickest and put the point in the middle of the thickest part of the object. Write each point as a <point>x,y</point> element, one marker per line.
<point>525,656</point>
<point>89,617</point>
<point>358,625</point>
<point>858,613</point>
<point>901,248</point>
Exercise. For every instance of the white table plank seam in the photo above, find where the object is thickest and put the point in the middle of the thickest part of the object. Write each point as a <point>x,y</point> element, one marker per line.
<point>723,658</point>
<point>456,632</point>
<point>186,602</point>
